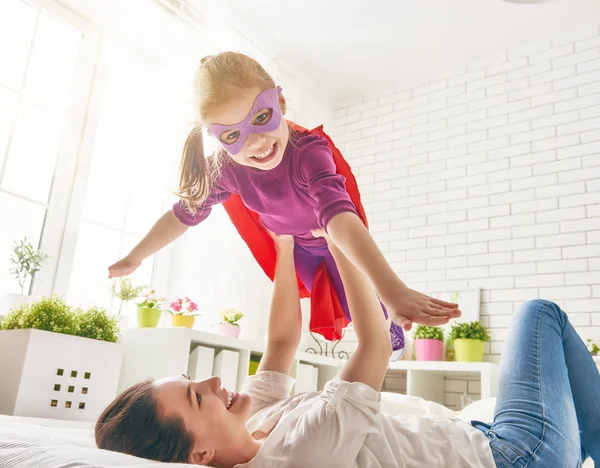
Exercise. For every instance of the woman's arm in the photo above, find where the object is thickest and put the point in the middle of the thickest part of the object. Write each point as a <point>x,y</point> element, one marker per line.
<point>285,318</point>
<point>369,363</point>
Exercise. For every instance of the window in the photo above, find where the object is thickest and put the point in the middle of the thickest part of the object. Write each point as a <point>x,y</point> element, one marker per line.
<point>134,159</point>
<point>91,132</point>
<point>36,79</point>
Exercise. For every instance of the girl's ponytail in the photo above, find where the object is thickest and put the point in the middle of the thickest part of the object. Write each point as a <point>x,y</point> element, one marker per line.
<point>195,172</point>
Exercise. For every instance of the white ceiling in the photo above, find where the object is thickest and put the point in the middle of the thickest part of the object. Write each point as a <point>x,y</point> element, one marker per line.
<point>349,46</point>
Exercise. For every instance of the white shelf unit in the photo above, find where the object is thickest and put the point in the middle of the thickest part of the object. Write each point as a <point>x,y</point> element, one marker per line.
<point>162,352</point>
<point>425,379</point>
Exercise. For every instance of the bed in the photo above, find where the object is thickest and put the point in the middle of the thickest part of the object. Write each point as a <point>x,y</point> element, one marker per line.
<point>43,443</point>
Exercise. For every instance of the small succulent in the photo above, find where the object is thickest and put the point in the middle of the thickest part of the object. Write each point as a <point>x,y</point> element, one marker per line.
<point>469,331</point>
<point>429,333</point>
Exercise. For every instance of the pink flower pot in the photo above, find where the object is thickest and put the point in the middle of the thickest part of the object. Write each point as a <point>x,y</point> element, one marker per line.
<point>429,350</point>
<point>227,329</point>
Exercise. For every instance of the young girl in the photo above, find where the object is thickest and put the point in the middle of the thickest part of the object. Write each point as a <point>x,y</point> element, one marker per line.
<point>289,179</point>
<point>546,415</point>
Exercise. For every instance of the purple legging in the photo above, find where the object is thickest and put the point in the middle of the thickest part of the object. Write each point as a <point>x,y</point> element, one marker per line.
<point>308,259</point>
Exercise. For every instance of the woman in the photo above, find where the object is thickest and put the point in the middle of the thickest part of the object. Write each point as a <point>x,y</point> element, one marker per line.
<point>547,411</point>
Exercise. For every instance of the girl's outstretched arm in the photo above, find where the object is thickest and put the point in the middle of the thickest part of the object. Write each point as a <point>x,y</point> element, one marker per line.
<point>405,305</point>
<point>336,214</point>
<point>165,230</point>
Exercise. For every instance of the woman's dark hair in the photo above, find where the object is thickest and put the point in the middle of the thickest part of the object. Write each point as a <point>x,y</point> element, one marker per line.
<point>132,424</point>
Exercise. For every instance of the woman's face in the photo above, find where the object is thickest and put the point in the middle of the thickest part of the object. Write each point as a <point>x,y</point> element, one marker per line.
<point>212,415</point>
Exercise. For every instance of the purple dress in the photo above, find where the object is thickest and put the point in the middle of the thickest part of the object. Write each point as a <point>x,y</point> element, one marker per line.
<point>301,194</point>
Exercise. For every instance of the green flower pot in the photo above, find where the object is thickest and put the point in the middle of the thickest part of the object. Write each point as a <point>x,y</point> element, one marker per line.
<point>467,350</point>
<point>148,317</point>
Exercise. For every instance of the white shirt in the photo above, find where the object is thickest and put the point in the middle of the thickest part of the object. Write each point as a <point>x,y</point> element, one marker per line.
<point>343,426</point>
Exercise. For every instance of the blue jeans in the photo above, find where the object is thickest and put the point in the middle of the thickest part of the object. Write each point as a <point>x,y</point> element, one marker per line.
<point>548,403</point>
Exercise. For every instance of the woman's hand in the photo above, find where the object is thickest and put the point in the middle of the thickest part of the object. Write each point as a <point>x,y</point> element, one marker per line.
<point>281,241</point>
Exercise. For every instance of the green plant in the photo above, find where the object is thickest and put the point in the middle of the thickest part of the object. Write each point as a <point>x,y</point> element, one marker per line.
<point>48,313</point>
<point>230,316</point>
<point>469,331</point>
<point>592,346</point>
<point>124,289</point>
<point>429,333</point>
<point>55,315</point>
<point>96,323</point>
<point>26,261</point>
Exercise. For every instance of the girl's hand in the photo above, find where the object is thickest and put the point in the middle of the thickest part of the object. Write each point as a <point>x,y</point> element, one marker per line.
<point>123,267</point>
<point>408,306</point>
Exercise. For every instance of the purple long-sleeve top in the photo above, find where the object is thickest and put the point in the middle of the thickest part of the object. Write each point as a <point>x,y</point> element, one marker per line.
<point>301,194</point>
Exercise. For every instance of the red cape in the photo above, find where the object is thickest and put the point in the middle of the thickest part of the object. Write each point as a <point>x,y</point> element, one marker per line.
<point>327,317</point>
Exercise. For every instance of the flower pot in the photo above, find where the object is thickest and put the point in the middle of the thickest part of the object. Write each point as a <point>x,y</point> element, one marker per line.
<point>148,317</point>
<point>467,350</point>
<point>429,350</point>
<point>227,329</point>
<point>180,320</point>
<point>56,376</point>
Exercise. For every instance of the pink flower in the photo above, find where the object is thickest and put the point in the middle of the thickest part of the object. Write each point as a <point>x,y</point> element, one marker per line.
<point>193,306</point>
<point>176,306</point>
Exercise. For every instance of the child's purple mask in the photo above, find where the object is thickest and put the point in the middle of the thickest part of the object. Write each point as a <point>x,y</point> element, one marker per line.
<point>268,99</point>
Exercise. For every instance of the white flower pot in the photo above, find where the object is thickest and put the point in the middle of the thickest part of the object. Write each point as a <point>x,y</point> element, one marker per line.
<point>227,329</point>
<point>57,376</point>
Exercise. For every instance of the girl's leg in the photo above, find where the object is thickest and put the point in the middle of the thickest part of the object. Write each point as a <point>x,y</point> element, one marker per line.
<point>548,404</point>
<point>396,333</point>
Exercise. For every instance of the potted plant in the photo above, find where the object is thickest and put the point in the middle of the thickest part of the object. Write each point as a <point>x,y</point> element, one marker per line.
<point>469,339</point>
<point>64,362</point>
<point>25,262</point>
<point>183,312</point>
<point>149,308</point>
<point>124,290</point>
<point>429,343</point>
<point>593,347</point>
<point>228,323</point>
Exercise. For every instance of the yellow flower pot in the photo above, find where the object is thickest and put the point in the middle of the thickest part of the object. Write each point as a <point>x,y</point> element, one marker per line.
<point>179,320</point>
<point>467,350</point>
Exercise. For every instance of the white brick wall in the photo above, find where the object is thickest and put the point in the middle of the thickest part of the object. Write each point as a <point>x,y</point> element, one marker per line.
<point>490,177</point>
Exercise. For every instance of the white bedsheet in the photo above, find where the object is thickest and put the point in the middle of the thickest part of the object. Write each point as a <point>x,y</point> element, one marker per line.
<point>47,443</point>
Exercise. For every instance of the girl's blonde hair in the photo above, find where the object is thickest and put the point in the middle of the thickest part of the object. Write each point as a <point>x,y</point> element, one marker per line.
<point>217,80</point>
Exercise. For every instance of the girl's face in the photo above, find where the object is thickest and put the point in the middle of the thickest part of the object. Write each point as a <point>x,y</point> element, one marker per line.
<point>252,108</point>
